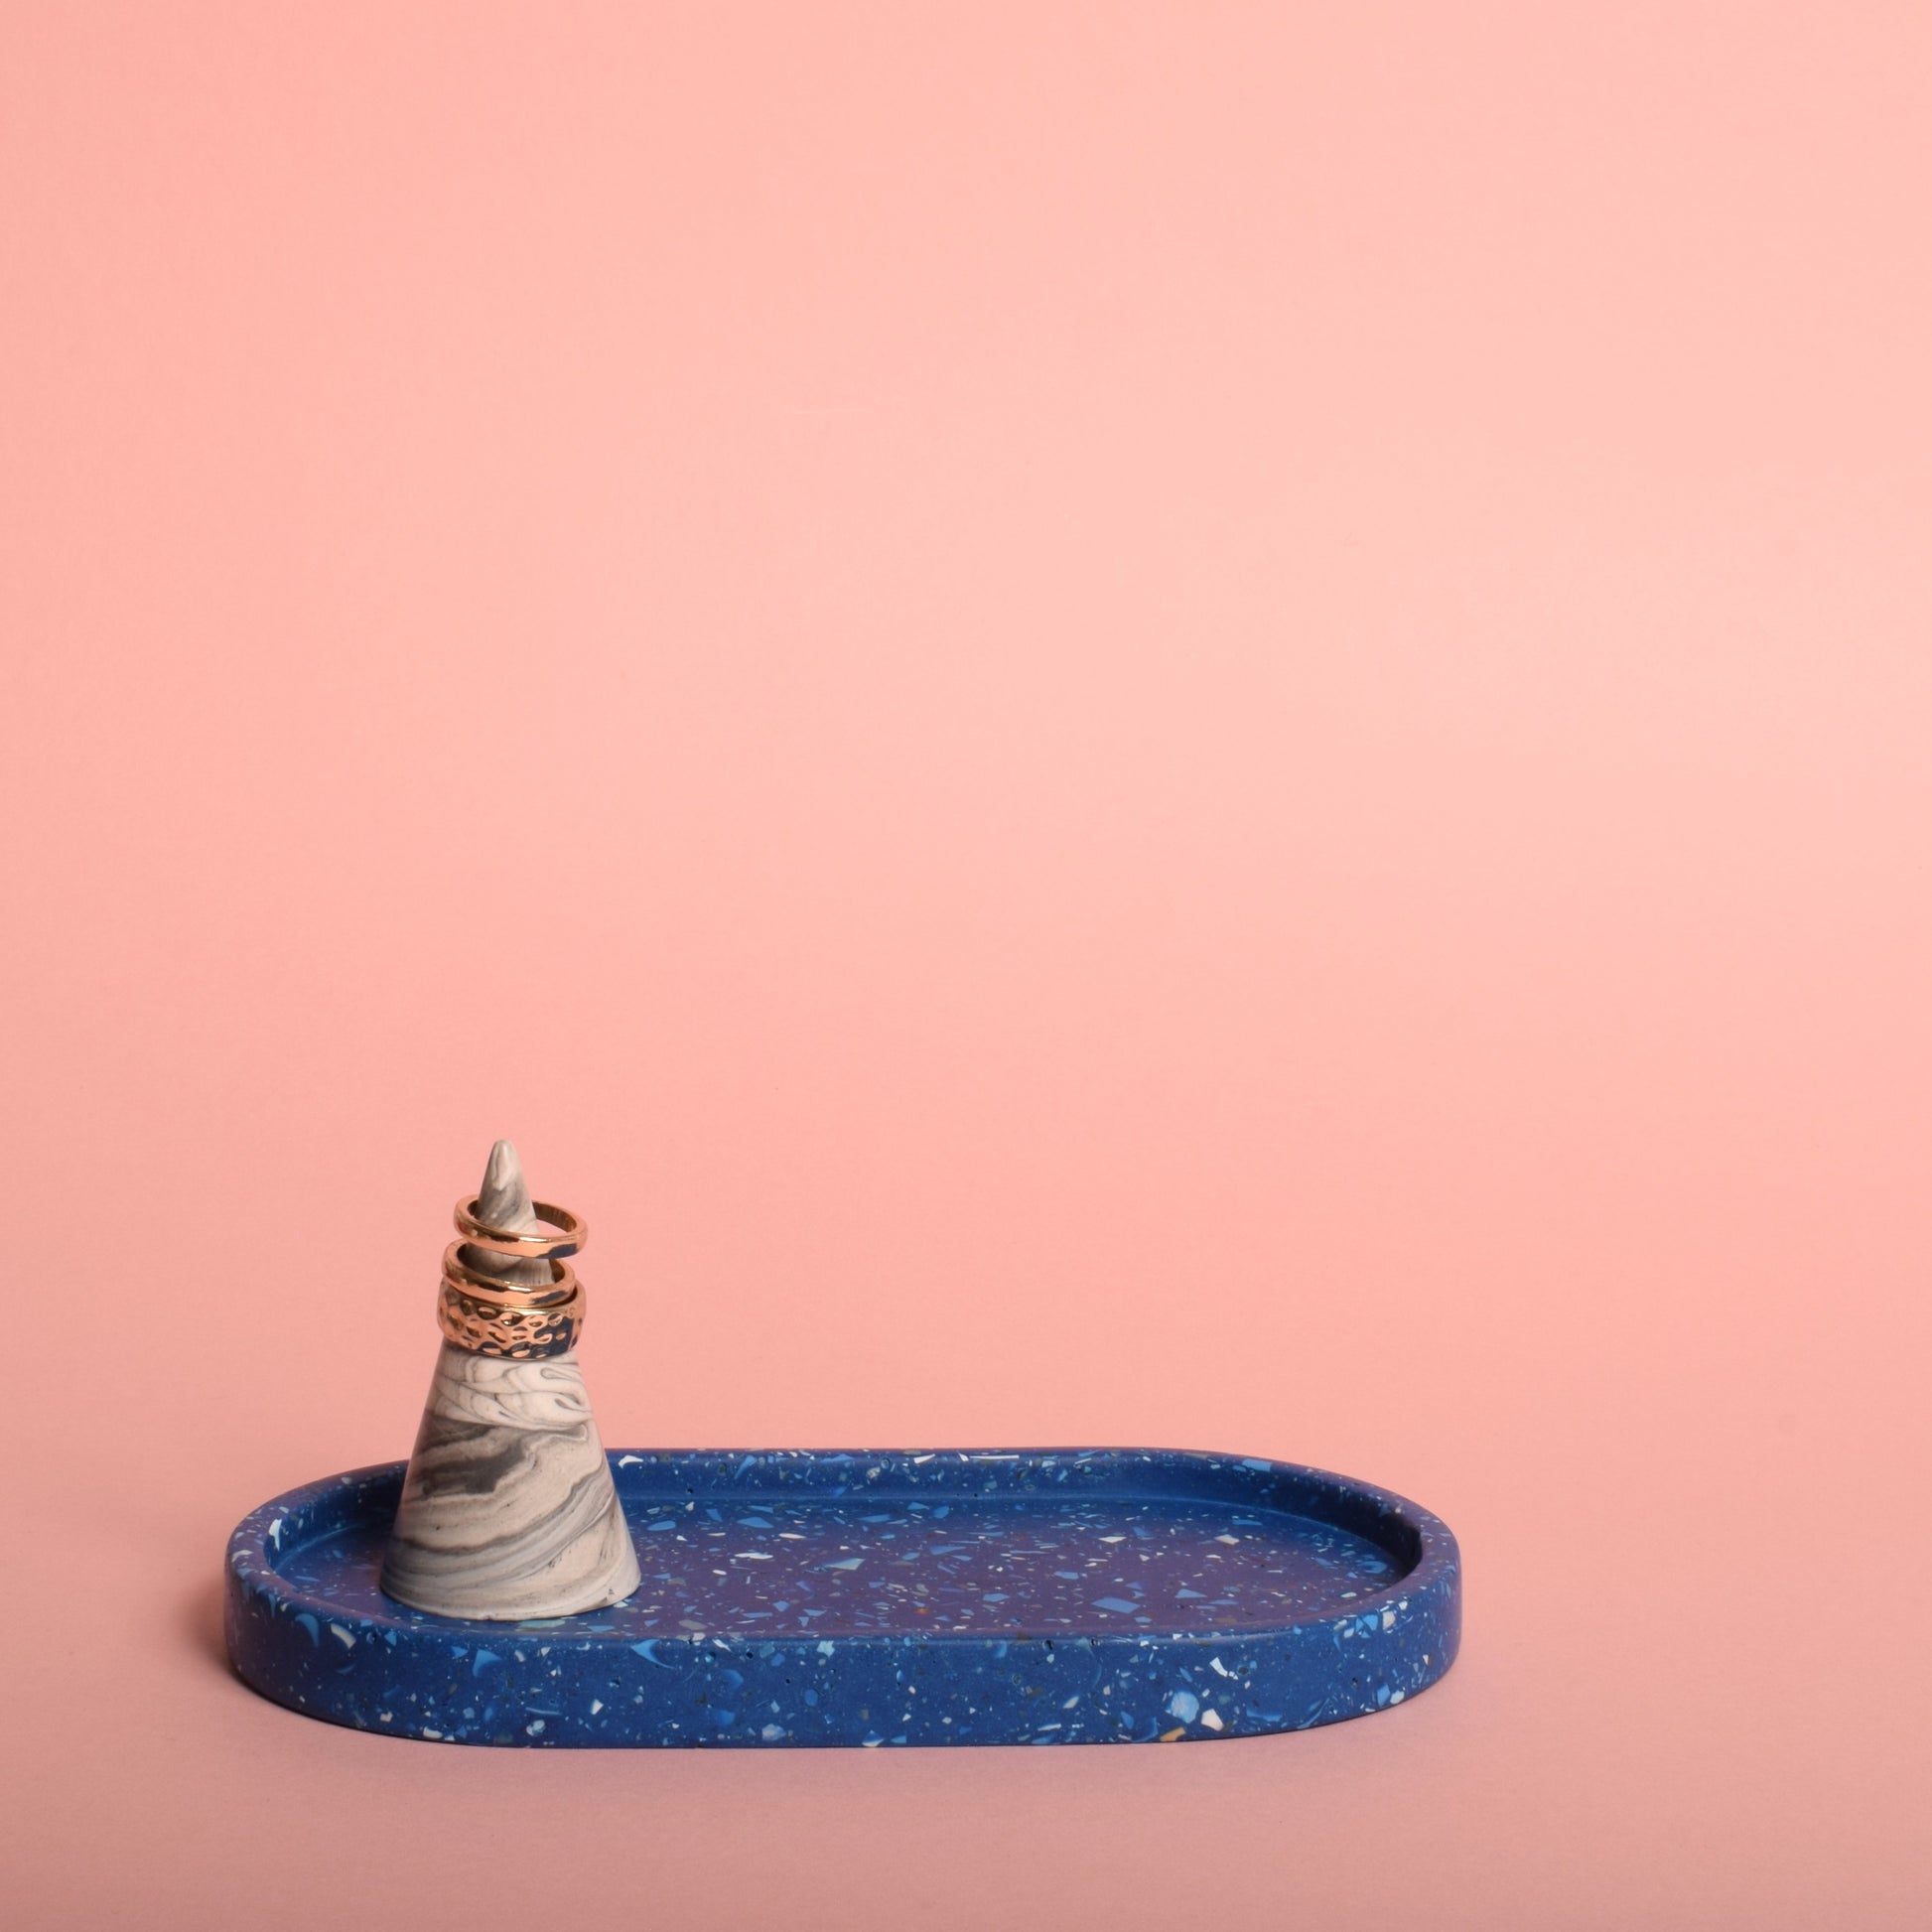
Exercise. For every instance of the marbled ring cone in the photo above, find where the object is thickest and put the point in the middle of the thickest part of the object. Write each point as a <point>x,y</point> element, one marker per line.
<point>509,1510</point>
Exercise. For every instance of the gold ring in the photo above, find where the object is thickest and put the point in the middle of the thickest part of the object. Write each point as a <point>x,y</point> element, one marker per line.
<point>565,1235</point>
<point>563,1281</point>
<point>491,1317</point>
<point>518,1334</point>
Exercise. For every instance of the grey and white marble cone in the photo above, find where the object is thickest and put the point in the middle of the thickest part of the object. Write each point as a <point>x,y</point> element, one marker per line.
<point>509,1510</point>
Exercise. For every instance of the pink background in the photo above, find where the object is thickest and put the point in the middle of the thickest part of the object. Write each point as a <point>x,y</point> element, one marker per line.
<point>1201,724</point>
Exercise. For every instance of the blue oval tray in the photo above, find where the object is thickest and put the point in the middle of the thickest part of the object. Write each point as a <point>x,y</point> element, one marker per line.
<point>958,1597</point>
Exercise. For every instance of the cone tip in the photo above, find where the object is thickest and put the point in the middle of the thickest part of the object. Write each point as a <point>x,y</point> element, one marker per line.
<point>504,1197</point>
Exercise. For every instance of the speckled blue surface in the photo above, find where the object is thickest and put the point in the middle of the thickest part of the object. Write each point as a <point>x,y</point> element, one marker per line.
<point>807,1596</point>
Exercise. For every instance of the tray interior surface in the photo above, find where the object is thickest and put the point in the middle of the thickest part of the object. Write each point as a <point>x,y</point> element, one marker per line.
<point>781,1564</point>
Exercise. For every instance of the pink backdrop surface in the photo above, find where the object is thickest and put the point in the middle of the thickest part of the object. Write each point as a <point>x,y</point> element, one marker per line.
<point>1204,725</point>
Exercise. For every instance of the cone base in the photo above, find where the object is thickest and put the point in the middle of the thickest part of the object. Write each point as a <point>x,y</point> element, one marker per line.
<point>508,1512</point>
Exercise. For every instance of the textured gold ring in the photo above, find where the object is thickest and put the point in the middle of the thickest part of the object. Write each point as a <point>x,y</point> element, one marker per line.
<point>518,1335</point>
<point>565,1235</point>
<point>487,1315</point>
<point>493,1318</point>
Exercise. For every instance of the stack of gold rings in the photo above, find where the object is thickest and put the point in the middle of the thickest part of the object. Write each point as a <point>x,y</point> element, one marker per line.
<point>488,1317</point>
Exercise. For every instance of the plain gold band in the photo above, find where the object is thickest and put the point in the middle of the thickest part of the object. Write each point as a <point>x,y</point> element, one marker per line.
<point>563,1281</point>
<point>566,1234</point>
